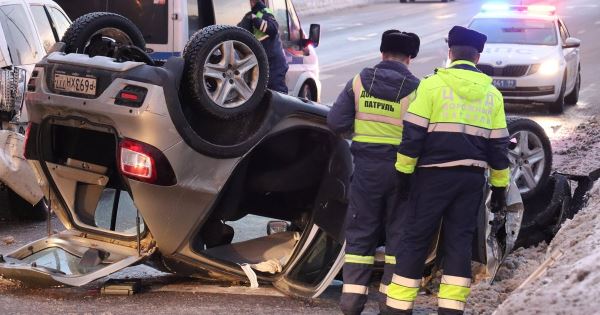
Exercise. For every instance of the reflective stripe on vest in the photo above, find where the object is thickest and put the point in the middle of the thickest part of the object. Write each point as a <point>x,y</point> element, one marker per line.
<point>260,33</point>
<point>377,120</point>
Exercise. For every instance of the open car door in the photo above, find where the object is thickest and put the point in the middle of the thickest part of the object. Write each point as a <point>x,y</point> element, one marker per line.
<point>321,257</point>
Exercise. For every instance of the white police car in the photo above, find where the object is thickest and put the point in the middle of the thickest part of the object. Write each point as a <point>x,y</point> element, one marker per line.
<point>530,54</point>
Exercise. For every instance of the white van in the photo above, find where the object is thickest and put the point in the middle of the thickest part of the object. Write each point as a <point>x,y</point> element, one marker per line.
<point>168,24</point>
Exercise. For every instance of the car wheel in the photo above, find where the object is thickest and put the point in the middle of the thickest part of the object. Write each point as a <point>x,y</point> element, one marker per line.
<point>558,107</point>
<point>100,33</point>
<point>226,71</point>
<point>530,156</point>
<point>402,1</point>
<point>573,97</point>
<point>306,92</point>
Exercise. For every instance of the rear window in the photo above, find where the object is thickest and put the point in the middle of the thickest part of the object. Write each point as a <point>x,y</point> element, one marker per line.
<point>150,16</point>
<point>517,31</point>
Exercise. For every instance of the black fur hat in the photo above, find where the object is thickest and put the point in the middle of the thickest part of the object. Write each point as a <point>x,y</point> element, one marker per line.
<point>395,41</point>
<point>461,36</point>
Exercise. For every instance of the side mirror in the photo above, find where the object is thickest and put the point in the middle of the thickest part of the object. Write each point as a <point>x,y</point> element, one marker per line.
<point>13,81</point>
<point>572,42</point>
<point>314,35</point>
<point>446,40</point>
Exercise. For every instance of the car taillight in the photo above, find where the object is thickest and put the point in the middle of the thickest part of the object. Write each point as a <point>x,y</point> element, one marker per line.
<point>131,96</point>
<point>27,131</point>
<point>143,162</point>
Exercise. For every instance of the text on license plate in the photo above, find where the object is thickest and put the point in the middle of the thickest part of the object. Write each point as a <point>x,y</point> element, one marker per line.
<point>505,84</point>
<point>75,84</point>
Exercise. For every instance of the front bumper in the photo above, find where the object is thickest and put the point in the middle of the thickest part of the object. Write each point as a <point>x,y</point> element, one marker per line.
<point>534,88</point>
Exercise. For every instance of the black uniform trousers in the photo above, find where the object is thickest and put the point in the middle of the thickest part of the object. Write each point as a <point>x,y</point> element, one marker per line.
<point>452,196</point>
<point>372,214</point>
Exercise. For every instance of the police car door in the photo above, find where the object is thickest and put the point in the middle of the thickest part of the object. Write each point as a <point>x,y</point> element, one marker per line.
<point>571,56</point>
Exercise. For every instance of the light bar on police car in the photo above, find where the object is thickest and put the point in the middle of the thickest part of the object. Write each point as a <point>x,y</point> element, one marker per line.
<point>538,9</point>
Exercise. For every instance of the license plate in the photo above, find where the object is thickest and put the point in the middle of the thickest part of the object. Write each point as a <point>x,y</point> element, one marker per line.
<point>505,84</point>
<point>75,84</point>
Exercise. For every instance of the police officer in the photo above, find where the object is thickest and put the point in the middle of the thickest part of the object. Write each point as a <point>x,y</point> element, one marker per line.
<point>261,22</point>
<point>453,131</point>
<point>372,106</point>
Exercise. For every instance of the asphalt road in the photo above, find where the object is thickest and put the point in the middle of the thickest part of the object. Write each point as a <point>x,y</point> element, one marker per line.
<point>350,41</point>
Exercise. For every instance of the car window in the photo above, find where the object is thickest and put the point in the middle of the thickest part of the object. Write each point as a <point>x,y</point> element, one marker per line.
<point>61,22</point>
<point>43,25</point>
<point>517,31</point>
<point>280,11</point>
<point>19,34</point>
<point>295,29</point>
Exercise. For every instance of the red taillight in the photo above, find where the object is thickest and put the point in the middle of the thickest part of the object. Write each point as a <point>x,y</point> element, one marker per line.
<point>27,131</point>
<point>136,162</point>
<point>129,96</point>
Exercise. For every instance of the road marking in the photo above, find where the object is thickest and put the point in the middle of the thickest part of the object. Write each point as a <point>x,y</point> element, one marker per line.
<point>445,16</point>
<point>214,289</point>
<point>324,77</point>
<point>370,56</point>
<point>361,38</point>
<point>580,32</point>
<point>423,60</point>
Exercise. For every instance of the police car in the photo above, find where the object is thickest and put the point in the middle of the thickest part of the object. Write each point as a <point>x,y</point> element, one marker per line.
<point>530,54</point>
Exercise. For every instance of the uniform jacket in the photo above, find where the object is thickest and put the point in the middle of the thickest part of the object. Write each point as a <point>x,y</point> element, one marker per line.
<point>457,119</point>
<point>384,81</point>
<point>272,44</point>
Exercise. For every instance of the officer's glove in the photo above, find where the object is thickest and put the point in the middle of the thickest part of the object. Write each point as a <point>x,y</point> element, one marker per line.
<point>403,185</point>
<point>498,199</point>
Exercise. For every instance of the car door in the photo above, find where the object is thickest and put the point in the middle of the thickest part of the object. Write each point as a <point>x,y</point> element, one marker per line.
<point>321,255</point>
<point>571,57</point>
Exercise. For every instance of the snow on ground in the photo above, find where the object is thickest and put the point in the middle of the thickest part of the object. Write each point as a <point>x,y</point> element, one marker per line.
<point>570,285</point>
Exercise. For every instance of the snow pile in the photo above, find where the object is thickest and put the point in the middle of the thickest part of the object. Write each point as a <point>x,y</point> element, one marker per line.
<point>570,285</point>
<point>579,152</point>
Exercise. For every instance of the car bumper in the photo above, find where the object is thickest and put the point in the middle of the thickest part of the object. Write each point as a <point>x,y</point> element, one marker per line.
<point>533,88</point>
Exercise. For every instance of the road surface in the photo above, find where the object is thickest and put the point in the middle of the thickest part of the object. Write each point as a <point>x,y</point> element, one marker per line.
<point>350,41</point>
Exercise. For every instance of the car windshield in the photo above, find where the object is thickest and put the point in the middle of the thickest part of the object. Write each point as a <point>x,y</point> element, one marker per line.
<point>517,31</point>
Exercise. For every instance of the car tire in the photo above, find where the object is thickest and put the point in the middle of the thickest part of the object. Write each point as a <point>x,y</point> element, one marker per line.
<point>402,1</point>
<point>97,34</point>
<point>530,156</point>
<point>558,106</point>
<point>23,210</point>
<point>210,79</point>
<point>573,97</point>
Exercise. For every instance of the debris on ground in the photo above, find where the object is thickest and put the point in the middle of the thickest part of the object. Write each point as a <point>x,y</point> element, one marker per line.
<point>569,285</point>
<point>7,240</point>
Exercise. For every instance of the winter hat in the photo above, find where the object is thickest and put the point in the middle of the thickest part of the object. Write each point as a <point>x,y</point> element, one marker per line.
<point>461,36</point>
<point>395,41</point>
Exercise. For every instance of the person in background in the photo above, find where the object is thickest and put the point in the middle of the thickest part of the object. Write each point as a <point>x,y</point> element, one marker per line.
<point>262,23</point>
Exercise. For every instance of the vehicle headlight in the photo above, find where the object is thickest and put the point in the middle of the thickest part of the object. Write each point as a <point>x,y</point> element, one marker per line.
<point>549,67</point>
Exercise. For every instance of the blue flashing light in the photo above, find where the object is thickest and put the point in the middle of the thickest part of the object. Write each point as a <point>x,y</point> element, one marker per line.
<point>495,7</point>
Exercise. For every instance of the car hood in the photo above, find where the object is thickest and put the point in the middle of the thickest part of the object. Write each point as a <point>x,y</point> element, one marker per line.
<point>504,54</point>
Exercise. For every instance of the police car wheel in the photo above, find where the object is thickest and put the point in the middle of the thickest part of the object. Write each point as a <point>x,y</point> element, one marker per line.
<point>101,33</point>
<point>226,71</point>
<point>558,106</point>
<point>573,97</point>
<point>530,156</point>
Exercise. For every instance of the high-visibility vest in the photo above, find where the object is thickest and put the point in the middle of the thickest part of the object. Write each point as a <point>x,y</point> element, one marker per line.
<point>260,33</point>
<point>377,120</point>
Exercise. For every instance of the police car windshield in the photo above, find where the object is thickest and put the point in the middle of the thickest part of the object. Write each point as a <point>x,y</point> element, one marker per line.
<point>516,31</point>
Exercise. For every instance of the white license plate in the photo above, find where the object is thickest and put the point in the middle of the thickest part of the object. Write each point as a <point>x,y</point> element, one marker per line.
<point>505,84</point>
<point>75,84</point>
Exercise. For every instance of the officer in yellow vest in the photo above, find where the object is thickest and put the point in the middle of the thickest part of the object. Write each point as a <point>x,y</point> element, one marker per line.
<point>262,23</point>
<point>372,106</point>
<point>454,130</point>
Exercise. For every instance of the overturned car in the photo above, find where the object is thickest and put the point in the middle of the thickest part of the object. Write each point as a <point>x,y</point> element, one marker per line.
<point>148,162</point>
